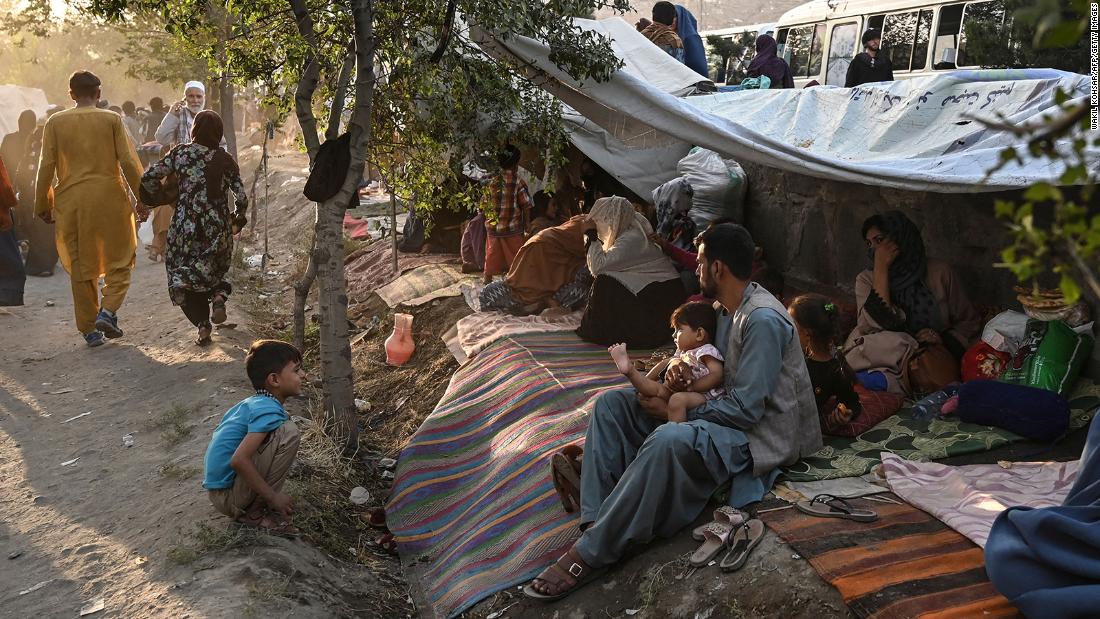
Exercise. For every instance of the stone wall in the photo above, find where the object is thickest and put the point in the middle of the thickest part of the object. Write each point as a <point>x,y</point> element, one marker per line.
<point>810,231</point>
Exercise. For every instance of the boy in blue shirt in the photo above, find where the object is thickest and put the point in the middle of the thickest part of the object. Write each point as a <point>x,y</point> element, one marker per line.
<point>256,442</point>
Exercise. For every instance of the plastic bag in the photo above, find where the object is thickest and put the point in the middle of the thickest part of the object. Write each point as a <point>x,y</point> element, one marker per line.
<point>1005,331</point>
<point>984,362</point>
<point>1050,357</point>
<point>718,186</point>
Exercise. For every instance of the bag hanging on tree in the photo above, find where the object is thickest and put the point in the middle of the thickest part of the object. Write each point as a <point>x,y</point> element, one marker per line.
<point>1036,414</point>
<point>1051,357</point>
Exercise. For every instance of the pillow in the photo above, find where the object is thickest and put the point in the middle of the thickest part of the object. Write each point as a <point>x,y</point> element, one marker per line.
<point>877,406</point>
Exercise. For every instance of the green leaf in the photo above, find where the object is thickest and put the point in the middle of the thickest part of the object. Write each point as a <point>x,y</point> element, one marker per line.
<point>1069,288</point>
<point>1043,192</point>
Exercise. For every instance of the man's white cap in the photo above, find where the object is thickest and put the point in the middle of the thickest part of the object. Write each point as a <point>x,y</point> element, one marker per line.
<point>194,84</point>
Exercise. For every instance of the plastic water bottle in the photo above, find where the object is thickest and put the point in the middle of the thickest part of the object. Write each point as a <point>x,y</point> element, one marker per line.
<point>930,406</point>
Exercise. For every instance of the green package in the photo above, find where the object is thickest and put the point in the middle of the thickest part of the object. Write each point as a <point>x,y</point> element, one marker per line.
<point>1051,357</point>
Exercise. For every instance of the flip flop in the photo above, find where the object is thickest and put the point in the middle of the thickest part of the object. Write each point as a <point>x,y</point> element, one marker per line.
<point>566,564</point>
<point>742,541</point>
<point>726,515</point>
<point>829,506</point>
<point>565,471</point>
<point>715,537</point>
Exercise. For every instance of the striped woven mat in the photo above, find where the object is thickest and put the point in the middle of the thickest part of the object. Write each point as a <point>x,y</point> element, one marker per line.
<point>472,507</point>
<point>905,565</point>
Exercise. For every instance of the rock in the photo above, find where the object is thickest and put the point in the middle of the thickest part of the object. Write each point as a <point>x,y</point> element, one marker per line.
<point>359,495</point>
<point>387,463</point>
<point>50,303</point>
<point>15,555</point>
<point>362,406</point>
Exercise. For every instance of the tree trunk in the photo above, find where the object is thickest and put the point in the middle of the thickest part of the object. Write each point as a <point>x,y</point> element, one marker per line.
<point>336,364</point>
<point>301,295</point>
<point>226,90</point>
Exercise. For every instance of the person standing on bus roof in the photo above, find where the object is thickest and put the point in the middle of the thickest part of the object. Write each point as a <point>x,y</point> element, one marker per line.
<point>871,65</point>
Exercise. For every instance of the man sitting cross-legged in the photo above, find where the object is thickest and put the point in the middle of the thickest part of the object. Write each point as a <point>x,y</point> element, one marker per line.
<point>643,478</point>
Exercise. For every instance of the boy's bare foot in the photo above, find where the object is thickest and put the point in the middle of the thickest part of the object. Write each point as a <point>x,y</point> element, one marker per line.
<point>621,358</point>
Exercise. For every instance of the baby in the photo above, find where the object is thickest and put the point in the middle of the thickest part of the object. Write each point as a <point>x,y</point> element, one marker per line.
<point>694,325</point>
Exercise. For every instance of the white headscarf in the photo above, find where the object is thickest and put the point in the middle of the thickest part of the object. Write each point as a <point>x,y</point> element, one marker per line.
<point>614,216</point>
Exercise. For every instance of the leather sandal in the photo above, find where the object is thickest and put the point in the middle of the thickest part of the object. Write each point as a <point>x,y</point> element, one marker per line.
<point>565,472</point>
<point>568,566</point>
<point>725,515</point>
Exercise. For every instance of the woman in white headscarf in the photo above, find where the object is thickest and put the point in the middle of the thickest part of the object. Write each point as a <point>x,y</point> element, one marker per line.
<point>636,286</point>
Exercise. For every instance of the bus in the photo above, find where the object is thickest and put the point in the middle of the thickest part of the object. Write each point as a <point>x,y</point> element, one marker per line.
<point>921,37</point>
<point>736,67</point>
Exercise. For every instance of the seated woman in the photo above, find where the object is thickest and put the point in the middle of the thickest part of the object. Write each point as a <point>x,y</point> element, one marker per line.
<point>549,271</point>
<point>908,294</point>
<point>1045,561</point>
<point>636,287</point>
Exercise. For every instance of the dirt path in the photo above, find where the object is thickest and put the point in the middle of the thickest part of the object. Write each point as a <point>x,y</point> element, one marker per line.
<point>120,523</point>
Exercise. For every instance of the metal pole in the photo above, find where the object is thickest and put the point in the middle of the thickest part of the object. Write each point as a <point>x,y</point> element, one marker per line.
<point>393,220</point>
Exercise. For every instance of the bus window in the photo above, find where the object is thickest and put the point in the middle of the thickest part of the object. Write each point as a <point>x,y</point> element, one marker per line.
<point>898,34</point>
<point>842,48</point>
<point>875,23</point>
<point>990,11</point>
<point>798,50</point>
<point>947,36</point>
<point>920,48</point>
<point>816,48</point>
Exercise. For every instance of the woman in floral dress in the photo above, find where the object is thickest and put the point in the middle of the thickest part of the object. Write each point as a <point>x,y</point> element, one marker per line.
<point>200,238</point>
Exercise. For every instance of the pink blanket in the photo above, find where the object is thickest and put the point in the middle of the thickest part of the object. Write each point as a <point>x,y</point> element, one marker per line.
<point>969,498</point>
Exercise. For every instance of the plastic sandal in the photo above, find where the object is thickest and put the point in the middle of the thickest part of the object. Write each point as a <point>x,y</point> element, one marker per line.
<point>829,506</point>
<point>744,539</point>
<point>726,515</point>
<point>715,537</point>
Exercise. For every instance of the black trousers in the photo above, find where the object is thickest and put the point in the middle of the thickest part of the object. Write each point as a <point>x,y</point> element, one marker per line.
<point>196,305</point>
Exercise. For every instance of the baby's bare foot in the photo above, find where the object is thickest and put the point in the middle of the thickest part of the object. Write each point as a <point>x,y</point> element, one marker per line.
<point>621,358</point>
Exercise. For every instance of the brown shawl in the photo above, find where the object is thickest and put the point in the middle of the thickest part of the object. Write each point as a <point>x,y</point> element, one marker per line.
<point>548,261</point>
<point>208,131</point>
<point>663,36</point>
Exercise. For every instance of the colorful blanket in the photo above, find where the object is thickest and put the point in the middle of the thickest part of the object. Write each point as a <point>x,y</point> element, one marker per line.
<point>969,498</point>
<point>472,506</point>
<point>905,564</point>
<point>423,284</point>
<point>921,441</point>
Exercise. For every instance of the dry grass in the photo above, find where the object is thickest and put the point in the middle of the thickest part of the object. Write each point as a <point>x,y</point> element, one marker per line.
<point>173,426</point>
<point>660,577</point>
<point>204,539</point>
<point>177,472</point>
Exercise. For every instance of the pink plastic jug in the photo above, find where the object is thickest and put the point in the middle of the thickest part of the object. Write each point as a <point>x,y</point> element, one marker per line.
<point>399,345</point>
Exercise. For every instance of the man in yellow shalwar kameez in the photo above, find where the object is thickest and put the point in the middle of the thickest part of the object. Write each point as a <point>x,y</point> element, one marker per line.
<point>94,162</point>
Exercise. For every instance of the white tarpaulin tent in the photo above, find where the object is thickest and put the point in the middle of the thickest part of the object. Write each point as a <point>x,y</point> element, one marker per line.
<point>15,99</point>
<point>920,135</point>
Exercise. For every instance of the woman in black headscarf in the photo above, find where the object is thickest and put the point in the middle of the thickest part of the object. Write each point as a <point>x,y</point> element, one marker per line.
<point>907,292</point>
<point>200,237</point>
<point>767,63</point>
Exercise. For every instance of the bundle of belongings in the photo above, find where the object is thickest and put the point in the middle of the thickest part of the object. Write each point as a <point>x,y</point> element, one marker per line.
<point>1017,377</point>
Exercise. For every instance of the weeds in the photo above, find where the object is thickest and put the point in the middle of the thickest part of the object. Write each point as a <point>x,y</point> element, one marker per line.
<point>265,592</point>
<point>177,472</point>
<point>173,426</point>
<point>655,579</point>
<point>205,539</point>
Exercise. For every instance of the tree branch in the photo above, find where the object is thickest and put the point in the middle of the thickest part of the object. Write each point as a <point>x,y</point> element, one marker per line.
<point>311,76</point>
<point>445,33</point>
<point>340,94</point>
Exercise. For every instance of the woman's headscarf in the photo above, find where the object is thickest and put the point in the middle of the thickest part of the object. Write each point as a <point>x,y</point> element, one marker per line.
<point>767,62</point>
<point>208,131</point>
<point>908,289</point>
<point>614,216</point>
